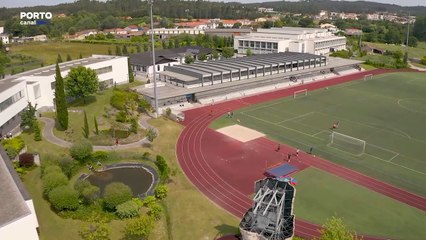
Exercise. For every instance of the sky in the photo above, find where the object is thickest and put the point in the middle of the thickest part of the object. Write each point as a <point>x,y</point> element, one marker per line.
<point>22,3</point>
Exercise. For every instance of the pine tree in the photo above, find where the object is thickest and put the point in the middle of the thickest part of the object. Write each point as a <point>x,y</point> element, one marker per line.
<point>125,52</point>
<point>131,74</point>
<point>96,125</point>
<point>86,126</point>
<point>59,59</point>
<point>118,51</point>
<point>60,101</point>
<point>69,57</point>
<point>37,131</point>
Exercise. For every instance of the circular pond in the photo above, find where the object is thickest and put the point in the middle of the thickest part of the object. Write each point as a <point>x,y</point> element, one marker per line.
<point>141,179</point>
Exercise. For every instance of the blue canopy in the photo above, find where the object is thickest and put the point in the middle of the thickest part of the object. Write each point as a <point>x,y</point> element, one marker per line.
<point>281,171</point>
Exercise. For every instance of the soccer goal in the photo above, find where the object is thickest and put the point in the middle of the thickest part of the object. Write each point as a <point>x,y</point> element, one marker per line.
<point>300,93</point>
<point>347,143</point>
<point>368,77</point>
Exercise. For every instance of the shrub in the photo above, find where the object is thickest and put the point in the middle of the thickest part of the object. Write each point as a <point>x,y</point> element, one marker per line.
<point>151,134</point>
<point>155,210</point>
<point>90,194</point>
<point>168,112</point>
<point>100,156</point>
<point>81,150</point>
<point>67,165</point>
<point>49,168</point>
<point>37,131</point>
<point>127,209</point>
<point>423,61</point>
<point>121,117</point>
<point>13,146</point>
<point>149,200</point>
<point>26,160</point>
<point>161,191</point>
<point>120,98</point>
<point>139,228</point>
<point>116,193</point>
<point>64,198</point>
<point>134,125</point>
<point>53,180</point>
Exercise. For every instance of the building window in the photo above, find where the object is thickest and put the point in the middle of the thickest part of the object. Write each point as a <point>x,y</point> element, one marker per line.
<point>143,69</point>
<point>13,99</point>
<point>37,92</point>
<point>104,70</point>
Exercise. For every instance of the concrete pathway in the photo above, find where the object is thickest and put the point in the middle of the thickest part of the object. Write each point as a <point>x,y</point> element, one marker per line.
<point>417,68</point>
<point>50,137</point>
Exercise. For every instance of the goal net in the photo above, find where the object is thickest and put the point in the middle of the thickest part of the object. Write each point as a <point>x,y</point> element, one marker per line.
<point>347,143</point>
<point>300,93</point>
<point>368,77</point>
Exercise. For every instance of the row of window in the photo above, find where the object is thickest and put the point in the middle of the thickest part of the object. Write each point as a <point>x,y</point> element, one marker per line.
<point>257,44</point>
<point>104,70</point>
<point>13,99</point>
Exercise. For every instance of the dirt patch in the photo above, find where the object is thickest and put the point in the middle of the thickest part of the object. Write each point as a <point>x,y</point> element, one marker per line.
<point>240,133</point>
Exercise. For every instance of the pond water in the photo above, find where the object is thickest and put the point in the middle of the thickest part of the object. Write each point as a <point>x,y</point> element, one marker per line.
<point>137,178</point>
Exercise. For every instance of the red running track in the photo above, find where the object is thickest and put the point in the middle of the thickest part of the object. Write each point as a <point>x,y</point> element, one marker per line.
<point>225,169</point>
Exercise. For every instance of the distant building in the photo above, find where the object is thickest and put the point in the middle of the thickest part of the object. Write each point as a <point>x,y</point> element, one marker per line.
<point>290,39</point>
<point>4,38</point>
<point>168,32</point>
<point>142,62</point>
<point>18,218</point>
<point>265,10</point>
<point>1,30</point>
<point>353,32</point>
<point>198,24</point>
<point>329,27</point>
<point>132,28</point>
<point>228,32</point>
<point>40,38</point>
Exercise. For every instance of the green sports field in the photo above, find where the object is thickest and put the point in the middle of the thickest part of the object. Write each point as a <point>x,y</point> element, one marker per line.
<point>388,112</point>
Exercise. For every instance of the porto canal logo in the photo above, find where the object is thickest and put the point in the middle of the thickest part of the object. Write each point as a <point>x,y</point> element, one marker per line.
<point>35,18</point>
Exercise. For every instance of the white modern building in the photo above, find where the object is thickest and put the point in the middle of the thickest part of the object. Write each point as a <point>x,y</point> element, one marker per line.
<point>18,218</point>
<point>37,86</point>
<point>290,39</point>
<point>167,32</point>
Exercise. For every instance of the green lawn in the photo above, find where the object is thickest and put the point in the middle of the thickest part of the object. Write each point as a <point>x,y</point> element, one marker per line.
<point>320,195</point>
<point>413,52</point>
<point>388,112</point>
<point>48,52</point>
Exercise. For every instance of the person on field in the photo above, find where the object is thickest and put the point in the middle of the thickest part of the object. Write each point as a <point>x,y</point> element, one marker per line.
<point>278,148</point>
<point>297,152</point>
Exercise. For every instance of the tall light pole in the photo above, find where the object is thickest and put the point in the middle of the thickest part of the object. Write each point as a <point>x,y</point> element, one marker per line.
<point>154,78</point>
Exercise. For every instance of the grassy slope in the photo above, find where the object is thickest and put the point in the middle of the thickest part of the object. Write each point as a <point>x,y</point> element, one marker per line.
<point>320,195</point>
<point>369,110</point>
<point>417,52</point>
<point>187,207</point>
<point>48,52</point>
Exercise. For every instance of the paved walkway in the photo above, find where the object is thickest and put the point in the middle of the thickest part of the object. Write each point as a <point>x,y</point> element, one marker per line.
<point>50,137</point>
<point>417,68</point>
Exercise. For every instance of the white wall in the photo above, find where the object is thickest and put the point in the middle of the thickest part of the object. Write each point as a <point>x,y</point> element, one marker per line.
<point>24,228</point>
<point>15,108</point>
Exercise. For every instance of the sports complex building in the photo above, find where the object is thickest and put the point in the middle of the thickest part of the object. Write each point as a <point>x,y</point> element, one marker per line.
<point>207,82</point>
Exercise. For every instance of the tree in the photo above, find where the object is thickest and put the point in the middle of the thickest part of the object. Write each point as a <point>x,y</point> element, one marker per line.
<point>138,48</point>
<point>86,130</point>
<point>134,125</point>
<point>69,57</point>
<point>60,101</point>
<point>423,61</point>
<point>28,117</point>
<point>189,59</point>
<point>202,57</point>
<point>249,52</point>
<point>118,50</point>
<point>151,134</point>
<point>80,56</point>
<point>125,52</point>
<point>176,43</point>
<point>228,52</point>
<point>131,74</point>
<point>163,168</point>
<point>81,150</point>
<point>116,193</point>
<point>96,125</point>
<point>215,54</point>
<point>81,82</point>
<point>59,59</point>
<point>37,131</point>
<point>306,22</point>
<point>64,198</point>
<point>89,192</point>
<point>170,44</point>
<point>155,210</point>
<point>334,228</point>
<point>419,30</point>
<point>237,25</point>
<point>95,229</point>
<point>139,228</point>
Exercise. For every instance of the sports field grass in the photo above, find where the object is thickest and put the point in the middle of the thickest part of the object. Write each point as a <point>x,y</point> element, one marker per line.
<point>320,195</point>
<point>388,112</point>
